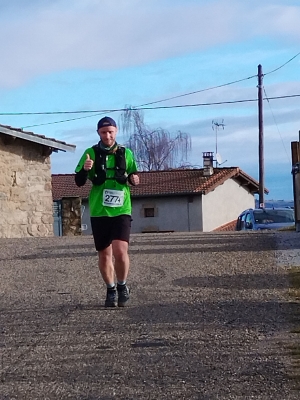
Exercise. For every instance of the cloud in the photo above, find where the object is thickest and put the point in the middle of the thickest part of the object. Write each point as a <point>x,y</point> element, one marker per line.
<point>39,38</point>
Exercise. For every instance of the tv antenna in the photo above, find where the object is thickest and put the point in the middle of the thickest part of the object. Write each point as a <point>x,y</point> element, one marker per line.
<point>216,126</point>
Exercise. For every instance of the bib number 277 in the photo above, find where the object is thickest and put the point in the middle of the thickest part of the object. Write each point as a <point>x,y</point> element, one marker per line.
<point>113,198</point>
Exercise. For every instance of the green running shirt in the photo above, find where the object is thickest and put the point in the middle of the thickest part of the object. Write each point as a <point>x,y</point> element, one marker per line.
<point>111,198</point>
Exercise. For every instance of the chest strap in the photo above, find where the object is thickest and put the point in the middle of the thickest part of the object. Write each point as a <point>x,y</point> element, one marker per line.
<point>119,169</point>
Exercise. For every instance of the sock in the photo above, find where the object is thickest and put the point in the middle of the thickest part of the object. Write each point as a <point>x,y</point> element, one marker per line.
<point>110,286</point>
<point>121,283</point>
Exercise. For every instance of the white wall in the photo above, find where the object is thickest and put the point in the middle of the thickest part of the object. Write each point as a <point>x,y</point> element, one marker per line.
<point>178,213</point>
<point>224,204</point>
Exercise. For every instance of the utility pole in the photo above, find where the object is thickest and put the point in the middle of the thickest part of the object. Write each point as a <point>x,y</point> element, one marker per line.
<point>261,138</point>
<point>295,148</point>
<point>216,125</point>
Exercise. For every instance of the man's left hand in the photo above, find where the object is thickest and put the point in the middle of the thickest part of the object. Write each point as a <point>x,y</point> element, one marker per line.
<point>134,179</point>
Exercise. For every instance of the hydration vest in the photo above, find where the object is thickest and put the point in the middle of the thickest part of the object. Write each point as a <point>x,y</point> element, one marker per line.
<point>119,169</point>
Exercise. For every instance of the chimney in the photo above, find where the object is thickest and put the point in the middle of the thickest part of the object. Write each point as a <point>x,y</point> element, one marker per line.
<point>208,159</point>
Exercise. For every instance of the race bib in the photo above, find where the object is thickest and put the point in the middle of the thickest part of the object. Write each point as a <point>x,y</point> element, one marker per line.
<point>113,198</point>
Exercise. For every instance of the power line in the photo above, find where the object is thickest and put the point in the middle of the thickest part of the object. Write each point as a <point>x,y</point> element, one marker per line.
<point>97,112</point>
<point>268,98</point>
<point>281,66</point>
<point>121,109</point>
<point>101,112</point>
<point>218,86</point>
<point>142,106</point>
<point>58,122</point>
<point>216,103</point>
<point>197,91</point>
<point>54,112</point>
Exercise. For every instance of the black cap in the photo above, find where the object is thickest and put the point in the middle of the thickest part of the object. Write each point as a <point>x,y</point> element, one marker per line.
<point>106,121</point>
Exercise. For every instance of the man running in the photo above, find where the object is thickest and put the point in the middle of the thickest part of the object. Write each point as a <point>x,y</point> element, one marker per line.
<point>110,167</point>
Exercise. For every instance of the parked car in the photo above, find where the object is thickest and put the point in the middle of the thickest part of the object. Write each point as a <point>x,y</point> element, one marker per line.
<point>265,218</point>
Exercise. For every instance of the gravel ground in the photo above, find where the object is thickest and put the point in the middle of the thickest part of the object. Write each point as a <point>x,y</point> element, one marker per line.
<point>209,318</point>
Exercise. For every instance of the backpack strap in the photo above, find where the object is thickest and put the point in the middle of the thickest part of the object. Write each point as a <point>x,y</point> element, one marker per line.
<point>100,166</point>
<point>120,167</point>
<point>120,174</point>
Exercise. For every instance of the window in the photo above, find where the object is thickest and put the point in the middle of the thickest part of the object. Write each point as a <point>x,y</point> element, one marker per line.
<point>274,216</point>
<point>243,217</point>
<point>240,224</point>
<point>149,212</point>
<point>248,221</point>
<point>248,218</point>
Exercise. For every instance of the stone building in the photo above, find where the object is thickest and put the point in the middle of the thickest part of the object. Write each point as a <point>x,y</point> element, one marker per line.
<point>25,182</point>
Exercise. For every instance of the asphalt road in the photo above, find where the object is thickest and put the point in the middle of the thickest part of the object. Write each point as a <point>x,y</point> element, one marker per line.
<point>209,318</point>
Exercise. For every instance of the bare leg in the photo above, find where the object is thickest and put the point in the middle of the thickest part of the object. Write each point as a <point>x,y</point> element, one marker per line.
<point>120,252</point>
<point>106,266</point>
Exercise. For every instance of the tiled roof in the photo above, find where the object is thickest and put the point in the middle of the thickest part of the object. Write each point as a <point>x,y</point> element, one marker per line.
<point>162,183</point>
<point>65,186</point>
<point>187,181</point>
<point>33,137</point>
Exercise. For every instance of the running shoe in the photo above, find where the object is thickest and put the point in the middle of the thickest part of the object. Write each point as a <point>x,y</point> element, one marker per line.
<point>123,295</point>
<point>111,298</point>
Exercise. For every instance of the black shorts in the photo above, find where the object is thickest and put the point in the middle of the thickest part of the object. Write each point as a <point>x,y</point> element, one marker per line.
<point>107,229</point>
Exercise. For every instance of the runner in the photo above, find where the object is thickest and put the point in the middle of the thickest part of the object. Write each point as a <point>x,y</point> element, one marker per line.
<point>110,167</point>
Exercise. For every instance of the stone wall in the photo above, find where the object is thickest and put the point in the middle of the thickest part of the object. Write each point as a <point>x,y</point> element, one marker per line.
<point>71,216</point>
<point>25,189</point>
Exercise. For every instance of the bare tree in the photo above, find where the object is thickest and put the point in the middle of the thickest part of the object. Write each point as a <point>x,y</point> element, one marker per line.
<point>154,149</point>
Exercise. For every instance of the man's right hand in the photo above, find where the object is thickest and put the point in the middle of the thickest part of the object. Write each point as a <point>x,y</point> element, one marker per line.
<point>88,164</point>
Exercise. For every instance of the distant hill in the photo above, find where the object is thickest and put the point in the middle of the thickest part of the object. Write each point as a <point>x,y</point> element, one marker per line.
<point>276,203</point>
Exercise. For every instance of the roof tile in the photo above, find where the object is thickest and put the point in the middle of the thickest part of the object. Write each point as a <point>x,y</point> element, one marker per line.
<point>160,183</point>
<point>34,135</point>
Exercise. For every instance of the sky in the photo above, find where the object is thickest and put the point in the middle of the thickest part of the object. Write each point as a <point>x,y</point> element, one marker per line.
<point>59,57</point>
